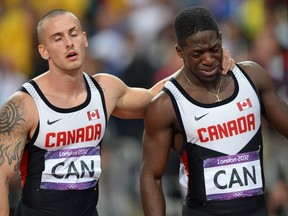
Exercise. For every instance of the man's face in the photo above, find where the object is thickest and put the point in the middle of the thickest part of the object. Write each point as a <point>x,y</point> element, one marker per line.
<point>203,55</point>
<point>63,42</point>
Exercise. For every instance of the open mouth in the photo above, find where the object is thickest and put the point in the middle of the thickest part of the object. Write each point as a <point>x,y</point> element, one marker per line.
<point>71,55</point>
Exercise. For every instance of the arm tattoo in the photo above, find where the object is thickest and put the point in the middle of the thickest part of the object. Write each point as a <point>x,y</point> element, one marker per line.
<point>11,121</point>
<point>10,117</point>
<point>11,155</point>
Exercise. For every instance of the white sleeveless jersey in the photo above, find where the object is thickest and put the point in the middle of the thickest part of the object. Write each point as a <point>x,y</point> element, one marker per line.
<point>221,157</point>
<point>67,143</point>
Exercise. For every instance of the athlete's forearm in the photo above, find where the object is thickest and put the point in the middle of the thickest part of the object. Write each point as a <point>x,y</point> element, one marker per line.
<point>4,203</point>
<point>152,197</point>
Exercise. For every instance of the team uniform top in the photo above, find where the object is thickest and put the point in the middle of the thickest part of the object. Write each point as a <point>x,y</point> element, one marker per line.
<point>222,152</point>
<point>61,165</point>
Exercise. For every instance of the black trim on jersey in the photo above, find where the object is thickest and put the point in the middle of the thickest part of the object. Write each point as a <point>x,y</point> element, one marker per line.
<point>196,197</point>
<point>257,138</point>
<point>253,86</point>
<point>30,143</point>
<point>72,202</point>
<point>197,103</point>
<point>35,135</point>
<point>178,115</point>
<point>205,105</point>
<point>102,96</point>
<point>23,90</point>
<point>63,110</point>
<point>248,78</point>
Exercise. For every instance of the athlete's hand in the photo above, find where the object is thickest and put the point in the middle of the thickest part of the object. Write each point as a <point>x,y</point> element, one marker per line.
<point>228,63</point>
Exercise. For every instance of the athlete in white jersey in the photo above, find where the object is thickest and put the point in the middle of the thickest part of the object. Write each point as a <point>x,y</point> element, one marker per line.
<point>222,152</point>
<point>67,147</point>
<point>213,123</point>
<point>53,126</point>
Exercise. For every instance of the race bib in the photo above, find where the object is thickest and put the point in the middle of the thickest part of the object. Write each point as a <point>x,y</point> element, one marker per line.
<point>71,169</point>
<point>233,176</point>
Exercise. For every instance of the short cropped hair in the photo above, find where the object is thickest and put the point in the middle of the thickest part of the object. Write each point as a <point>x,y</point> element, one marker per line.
<point>50,14</point>
<point>192,20</point>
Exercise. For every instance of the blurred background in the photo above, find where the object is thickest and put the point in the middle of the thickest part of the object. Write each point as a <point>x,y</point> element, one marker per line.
<point>134,40</point>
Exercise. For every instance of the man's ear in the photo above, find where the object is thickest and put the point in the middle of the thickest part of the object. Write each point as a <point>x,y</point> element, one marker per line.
<point>220,35</point>
<point>179,51</point>
<point>85,40</point>
<point>43,52</point>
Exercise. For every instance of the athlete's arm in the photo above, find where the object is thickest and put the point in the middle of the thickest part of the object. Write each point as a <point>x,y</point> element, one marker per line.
<point>274,109</point>
<point>13,135</point>
<point>123,101</point>
<point>157,142</point>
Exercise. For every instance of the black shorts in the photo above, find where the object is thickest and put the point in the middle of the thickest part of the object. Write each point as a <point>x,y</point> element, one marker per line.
<point>23,210</point>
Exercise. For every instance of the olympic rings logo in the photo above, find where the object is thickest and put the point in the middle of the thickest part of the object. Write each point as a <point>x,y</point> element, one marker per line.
<point>239,194</point>
<point>72,186</point>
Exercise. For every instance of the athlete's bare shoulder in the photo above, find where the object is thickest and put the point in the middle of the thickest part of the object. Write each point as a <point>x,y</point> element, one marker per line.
<point>113,89</point>
<point>251,67</point>
<point>259,76</point>
<point>18,115</point>
<point>110,84</point>
<point>105,77</point>
<point>17,119</point>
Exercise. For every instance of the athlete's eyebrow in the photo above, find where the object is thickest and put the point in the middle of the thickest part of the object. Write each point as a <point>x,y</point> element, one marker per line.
<point>60,33</point>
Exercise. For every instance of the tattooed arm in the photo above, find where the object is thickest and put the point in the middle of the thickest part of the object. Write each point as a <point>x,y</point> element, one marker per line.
<point>16,123</point>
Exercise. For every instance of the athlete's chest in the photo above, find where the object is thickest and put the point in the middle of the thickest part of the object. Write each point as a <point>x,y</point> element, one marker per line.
<point>226,126</point>
<point>69,130</point>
